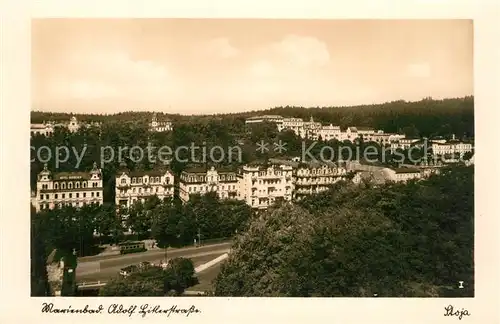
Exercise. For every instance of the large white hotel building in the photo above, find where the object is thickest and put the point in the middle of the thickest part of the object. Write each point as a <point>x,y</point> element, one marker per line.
<point>133,186</point>
<point>202,180</point>
<point>60,189</point>
<point>262,185</point>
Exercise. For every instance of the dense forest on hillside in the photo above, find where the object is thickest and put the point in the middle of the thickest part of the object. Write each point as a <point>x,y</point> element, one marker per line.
<point>395,240</point>
<point>426,117</point>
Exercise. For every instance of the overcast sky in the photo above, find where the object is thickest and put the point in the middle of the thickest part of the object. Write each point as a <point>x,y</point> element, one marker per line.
<point>195,66</point>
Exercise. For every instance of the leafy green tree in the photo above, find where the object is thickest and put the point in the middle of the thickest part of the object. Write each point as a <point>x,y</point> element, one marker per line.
<point>154,281</point>
<point>396,240</point>
<point>39,277</point>
<point>69,229</point>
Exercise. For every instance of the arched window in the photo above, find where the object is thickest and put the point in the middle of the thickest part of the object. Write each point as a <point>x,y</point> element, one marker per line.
<point>151,179</point>
<point>84,185</point>
<point>70,185</point>
<point>56,186</point>
<point>157,179</point>
<point>77,185</point>
<point>63,185</point>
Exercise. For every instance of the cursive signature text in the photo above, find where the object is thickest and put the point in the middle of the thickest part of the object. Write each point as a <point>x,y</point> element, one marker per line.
<point>450,311</point>
<point>49,308</point>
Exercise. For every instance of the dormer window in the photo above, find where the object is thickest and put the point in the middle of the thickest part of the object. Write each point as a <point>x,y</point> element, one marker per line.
<point>123,181</point>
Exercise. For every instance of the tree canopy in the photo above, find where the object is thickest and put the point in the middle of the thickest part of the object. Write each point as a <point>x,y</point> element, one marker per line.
<point>395,240</point>
<point>154,281</point>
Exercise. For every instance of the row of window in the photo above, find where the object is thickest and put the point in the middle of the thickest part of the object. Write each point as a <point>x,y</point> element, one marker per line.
<point>71,185</point>
<point>151,180</point>
<point>145,190</point>
<point>206,188</point>
<point>322,180</point>
<point>74,204</point>
<point>320,172</point>
<point>70,195</point>
<point>268,182</point>
<point>276,173</point>
<point>209,178</point>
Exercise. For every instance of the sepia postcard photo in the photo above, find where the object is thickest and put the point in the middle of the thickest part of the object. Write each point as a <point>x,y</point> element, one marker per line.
<point>262,158</point>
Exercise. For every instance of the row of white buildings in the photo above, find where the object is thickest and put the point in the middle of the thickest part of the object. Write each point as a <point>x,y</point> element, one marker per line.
<point>439,146</point>
<point>315,130</point>
<point>73,125</point>
<point>47,128</point>
<point>260,185</point>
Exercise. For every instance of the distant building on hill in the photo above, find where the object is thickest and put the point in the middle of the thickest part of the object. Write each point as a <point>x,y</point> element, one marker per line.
<point>403,174</point>
<point>160,126</point>
<point>41,129</point>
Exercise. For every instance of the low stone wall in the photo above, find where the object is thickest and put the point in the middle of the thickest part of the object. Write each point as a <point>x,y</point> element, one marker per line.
<point>211,263</point>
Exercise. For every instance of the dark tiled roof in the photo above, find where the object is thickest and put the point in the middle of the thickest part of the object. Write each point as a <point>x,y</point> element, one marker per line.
<point>406,170</point>
<point>195,169</point>
<point>364,128</point>
<point>149,173</point>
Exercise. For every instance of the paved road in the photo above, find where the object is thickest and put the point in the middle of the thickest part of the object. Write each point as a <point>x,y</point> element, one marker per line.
<point>109,267</point>
<point>155,251</point>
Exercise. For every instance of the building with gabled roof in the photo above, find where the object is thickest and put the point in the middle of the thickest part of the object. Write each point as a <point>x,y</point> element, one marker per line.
<point>202,180</point>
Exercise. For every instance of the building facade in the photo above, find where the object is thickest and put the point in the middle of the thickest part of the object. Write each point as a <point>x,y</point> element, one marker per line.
<point>160,126</point>
<point>451,147</point>
<point>313,178</point>
<point>138,186</point>
<point>200,180</point>
<point>75,189</point>
<point>41,129</point>
<point>403,143</point>
<point>262,185</point>
<point>403,174</point>
<point>330,132</point>
<point>266,118</point>
<point>73,125</point>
